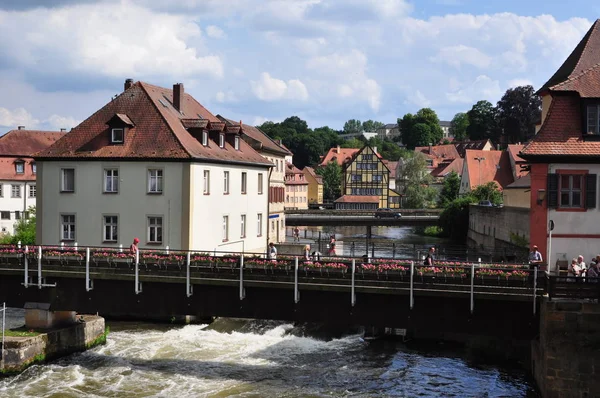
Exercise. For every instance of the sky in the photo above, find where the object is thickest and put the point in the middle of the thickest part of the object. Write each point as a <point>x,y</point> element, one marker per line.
<point>325,61</point>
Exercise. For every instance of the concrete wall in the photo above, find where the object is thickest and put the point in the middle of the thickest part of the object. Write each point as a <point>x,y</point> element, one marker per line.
<point>566,357</point>
<point>492,226</point>
<point>208,211</point>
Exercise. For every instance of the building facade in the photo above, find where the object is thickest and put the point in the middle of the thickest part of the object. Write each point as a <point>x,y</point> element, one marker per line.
<point>315,185</point>
<point>296,188</point>
<point>274,152</point>
<point>18,171</point>
<point>390,130</point>
<point>367,175</point>
<point>564,158</point>
<point>203,188</point>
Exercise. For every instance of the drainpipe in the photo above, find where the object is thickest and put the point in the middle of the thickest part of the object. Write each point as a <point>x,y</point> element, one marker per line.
<point>268,205</point>
<point>24,199</point>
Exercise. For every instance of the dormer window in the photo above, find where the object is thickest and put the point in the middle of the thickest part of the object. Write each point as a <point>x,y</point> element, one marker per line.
<point>222,140</point>
<point>20,167</point>
<point>117,136</point>
<point>593,122</point>
<point>33,168</point>
<point>236,143</point>
<point>205,138</point>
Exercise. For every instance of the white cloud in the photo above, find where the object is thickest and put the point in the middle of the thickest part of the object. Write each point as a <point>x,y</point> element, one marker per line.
<point>483,87</point>
<point>461,54</point>
<point>56,122</point>
<point>113,39</point>
<point>215,32</point>
<point>271,89</point>
<point>17,117</point>
<point>258,120</point>
<point>519,82</point>
<point>418,99</point>
<point>226,96</point>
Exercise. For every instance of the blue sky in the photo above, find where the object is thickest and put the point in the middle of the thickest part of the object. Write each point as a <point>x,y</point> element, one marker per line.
<point>326,61</point>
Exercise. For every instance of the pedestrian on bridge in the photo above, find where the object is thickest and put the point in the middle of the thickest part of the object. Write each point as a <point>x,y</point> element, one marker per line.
<point>430,257</point>
<point>535,257</point>
<point>272,251</point>
<point>133,249</point>
<point>296,234</point>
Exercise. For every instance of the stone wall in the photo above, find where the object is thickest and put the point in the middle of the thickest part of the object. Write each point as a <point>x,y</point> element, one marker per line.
<point>22,351</point>
<point>491,227</point>
<point>566,357</point>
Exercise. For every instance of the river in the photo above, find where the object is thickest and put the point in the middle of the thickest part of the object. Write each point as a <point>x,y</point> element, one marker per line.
<point>235,358</point>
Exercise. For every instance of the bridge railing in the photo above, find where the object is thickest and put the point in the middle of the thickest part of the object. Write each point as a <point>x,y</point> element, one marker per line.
<point>573,287</point>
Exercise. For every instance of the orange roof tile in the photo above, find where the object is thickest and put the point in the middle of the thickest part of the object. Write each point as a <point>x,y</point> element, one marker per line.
<point>256,134</point>
<point>357,199</point>
<point>492,166</point>
<point>446,168</point>
<point>26,143</point>
<point>439,151</point>
<point>8,169</point>
<point>339,155</point>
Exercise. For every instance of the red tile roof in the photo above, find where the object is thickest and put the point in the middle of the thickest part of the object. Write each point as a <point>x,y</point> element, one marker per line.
<point>158,131</point>
<point>446,168</point>
<point>312,172</point>
<point>357,199</point>
<point>560,135</point>
<point>268,144</point>
<point>584,57</point>
<point>462,146</point>
<point>439,151</point>
<point>495,166</point>
<point>8,170</point>
<point>26,143</point>
<point>392,166</point>
<point>339,155</point>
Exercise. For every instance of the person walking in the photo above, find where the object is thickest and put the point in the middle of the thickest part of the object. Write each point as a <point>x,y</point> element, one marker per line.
<point>535,257</point>
<point>133,249</point>
<point>296,234</point>
<point>272,251</point>
<point>429,260</point>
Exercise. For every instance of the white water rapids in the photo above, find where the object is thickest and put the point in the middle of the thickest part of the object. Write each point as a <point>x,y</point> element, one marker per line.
<point>258,359</point>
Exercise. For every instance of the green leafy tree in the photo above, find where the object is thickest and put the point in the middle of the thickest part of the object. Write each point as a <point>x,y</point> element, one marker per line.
<point>420,129</point>
<point>489,192</point>
<point>352,126</point>
<point>518,111</point>
<point>371,125</point>
<point>450,189</point>
<point>332,181</point>
<point>454,220</point>
<point>352,143</point>
<point>24,231</point>
<point>414,180</point>
<point>459,126</point>
<point>483,123</point>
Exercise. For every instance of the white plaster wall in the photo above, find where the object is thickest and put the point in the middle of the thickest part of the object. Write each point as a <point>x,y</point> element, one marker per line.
<point>579,223</point>
<point>132,204</point>
<point>8,203</point>
<point>465,186</point>
<point>207,211</point>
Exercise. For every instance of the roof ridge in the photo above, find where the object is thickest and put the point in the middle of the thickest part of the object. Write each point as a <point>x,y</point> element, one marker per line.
<point>148,97</point>
<point>594,27</point>
<point>571,79</point>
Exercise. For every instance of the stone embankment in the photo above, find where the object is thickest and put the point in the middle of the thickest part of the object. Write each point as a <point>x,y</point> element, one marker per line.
<point>22,352</point>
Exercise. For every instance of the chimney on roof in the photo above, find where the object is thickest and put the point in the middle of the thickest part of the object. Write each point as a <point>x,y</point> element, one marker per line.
<point>177,95</point>
<point>128,83</point>
<point>430,148</point>
<point>62,130</point>
<point>21,127</point>
<point>338,149</point>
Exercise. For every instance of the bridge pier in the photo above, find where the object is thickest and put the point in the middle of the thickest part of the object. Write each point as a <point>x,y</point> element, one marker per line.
<point>566,355</point>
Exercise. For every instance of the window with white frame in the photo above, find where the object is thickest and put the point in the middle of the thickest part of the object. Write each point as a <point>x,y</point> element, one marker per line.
<point>225,228</point>
<point>205,138</point>
<point>236,142</point>
<point>260,183</point>
<point>20,167</point>
<point>117,136</point>
<point>111,180</point>
<point>155,229</point>
<point>15,191</point>
<point>111,228</point>
<point>222,140</point>
<point>226,182</point>
<point>67,227</point>
<point>259,224</point>
<point>32,191</point>
<point>155,181</point>
<point>244,181</point>
<point>206,182</point>
<point>243,226</point>
<point>67,183</point>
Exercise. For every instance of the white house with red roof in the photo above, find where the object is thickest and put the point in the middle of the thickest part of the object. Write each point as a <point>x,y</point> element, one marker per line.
<point>564,157</point>
<point>18,190</point>
<point>155,164</point>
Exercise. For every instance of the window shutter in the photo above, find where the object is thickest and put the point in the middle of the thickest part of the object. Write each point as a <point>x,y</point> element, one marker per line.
<point>552,191</point>
<point>590,191</point>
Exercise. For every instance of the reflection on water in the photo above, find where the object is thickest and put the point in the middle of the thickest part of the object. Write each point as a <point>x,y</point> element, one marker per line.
<point>263,359</point>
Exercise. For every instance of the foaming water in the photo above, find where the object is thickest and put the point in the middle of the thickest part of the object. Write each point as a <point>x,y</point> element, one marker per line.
<point>258,358</point>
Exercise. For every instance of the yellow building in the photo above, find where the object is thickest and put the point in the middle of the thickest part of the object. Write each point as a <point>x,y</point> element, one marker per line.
<point>315,185</point>
<point>367,175</point>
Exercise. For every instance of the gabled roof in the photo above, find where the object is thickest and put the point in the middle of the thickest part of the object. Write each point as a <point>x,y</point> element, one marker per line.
<point>513,151</point>
<point>268,144</point>
<point>8,171</point>
<point>391,126</point>
<point>587,83</point>
<point>439,151</point>
<point>27,142</point>
<point>445,123</point>
<point>446,168</point>
<point>520,183</point>
<point>560,135</point>
<point>357,199</point>
<point>493,166</point>
<point>311,171</point>
<point>339,155</point>
<point>159,132</point>
<point>462,146</point>
<point>392,165</point>
<point>585,56</point>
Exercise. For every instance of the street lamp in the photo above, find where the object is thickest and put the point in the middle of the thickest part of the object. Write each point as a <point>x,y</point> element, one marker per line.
<point>479,160</point>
